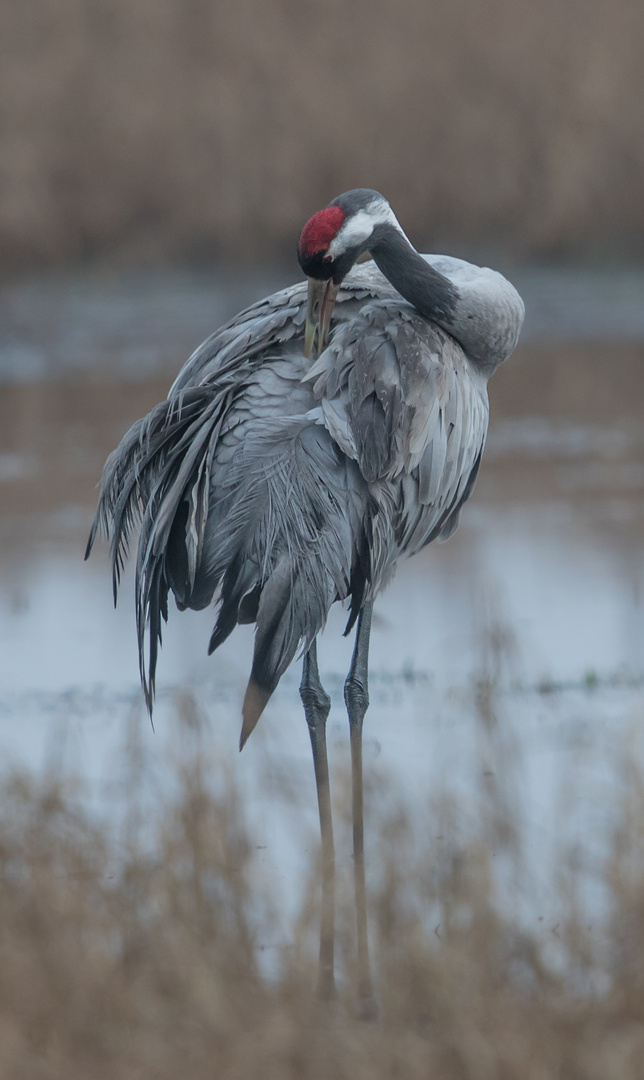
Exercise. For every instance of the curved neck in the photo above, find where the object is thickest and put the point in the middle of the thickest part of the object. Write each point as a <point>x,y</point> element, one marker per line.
<point>433,295</point>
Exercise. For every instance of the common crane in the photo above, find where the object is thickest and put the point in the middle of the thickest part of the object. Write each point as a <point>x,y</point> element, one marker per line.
<point>302,450</point>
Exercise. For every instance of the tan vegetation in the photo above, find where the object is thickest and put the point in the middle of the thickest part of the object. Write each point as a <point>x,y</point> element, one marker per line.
<point>198,129</point>
<point>132,951</point>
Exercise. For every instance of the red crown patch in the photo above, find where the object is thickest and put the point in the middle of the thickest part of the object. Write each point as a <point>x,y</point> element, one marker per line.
<point>319,230</point>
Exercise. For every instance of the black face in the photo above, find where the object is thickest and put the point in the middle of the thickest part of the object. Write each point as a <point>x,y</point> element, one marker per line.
<point>317,266</point>
<point>320,267</point>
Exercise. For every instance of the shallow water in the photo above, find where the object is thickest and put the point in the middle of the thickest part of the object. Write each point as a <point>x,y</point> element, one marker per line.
<point>541,589</point>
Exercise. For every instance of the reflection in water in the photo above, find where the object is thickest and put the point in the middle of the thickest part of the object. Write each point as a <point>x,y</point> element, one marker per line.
<point>542,583</point>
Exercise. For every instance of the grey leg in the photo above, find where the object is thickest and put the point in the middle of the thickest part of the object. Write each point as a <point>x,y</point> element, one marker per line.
<point>316,704</point>
<point>356,696</point>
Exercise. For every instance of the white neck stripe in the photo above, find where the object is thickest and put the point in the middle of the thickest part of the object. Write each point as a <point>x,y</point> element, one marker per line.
<point>360,226</point>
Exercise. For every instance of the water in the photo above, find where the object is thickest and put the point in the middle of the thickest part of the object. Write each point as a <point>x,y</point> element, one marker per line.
<point>542,586</point>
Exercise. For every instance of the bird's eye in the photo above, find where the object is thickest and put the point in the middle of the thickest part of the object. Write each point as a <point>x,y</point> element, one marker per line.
<point>327,258</point>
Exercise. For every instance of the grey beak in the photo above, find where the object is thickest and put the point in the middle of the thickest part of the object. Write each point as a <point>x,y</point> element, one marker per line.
<point>321,301</point>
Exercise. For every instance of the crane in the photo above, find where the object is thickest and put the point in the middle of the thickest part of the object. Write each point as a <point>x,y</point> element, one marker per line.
<point>304,447</point>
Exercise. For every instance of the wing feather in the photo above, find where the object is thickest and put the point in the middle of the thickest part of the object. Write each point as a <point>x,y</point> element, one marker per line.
<point>242,495</point>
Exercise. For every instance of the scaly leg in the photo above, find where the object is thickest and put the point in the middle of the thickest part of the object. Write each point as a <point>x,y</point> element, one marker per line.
<point>356,696</point>
<point>316,704</point>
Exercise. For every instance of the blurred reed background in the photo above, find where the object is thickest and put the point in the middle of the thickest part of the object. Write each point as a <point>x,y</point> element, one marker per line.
<point>158,898</point>
<point>203,130</point>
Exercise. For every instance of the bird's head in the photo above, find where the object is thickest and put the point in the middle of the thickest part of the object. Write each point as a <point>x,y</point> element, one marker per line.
<point>330,244</point>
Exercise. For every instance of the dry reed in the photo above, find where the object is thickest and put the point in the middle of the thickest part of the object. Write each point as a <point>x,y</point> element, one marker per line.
<point>133,951</point>
<point>210,130</point>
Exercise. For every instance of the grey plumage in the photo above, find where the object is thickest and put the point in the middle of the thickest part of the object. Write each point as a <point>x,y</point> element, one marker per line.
<point>275,485</point>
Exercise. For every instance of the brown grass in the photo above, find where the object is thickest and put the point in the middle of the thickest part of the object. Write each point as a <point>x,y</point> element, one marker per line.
<point>132,952</point>
<point>202,129</point>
